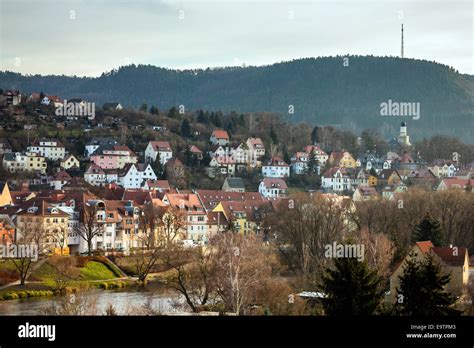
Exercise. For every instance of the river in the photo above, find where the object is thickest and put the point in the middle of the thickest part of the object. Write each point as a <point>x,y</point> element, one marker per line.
<point>124,301</point>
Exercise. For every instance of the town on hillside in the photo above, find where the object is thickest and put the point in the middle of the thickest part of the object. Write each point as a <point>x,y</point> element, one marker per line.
<point>119,181</point>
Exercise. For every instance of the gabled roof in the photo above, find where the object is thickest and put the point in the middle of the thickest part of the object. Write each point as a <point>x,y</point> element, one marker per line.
<point>159,145</point>
<point>425,246</point>
<point>457,183</point>
<point>332,171</point>
<point>234,182</point>
<point>94,169</point>
<point>195,149</point>
<point>449,256</point>
<point>272,183</point>
<point>220,134</point>
<point>386,173</point>
<point>62,176</point>
<point>210,198</point>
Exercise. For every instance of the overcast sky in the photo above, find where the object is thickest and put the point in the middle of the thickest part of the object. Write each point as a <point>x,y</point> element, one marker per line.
<point>88,37</point>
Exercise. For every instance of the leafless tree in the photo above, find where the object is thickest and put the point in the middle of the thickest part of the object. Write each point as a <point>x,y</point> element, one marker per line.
<point>89,226</point>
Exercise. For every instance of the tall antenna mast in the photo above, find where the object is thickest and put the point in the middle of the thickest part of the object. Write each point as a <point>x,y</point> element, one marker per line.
<point>402,53</point>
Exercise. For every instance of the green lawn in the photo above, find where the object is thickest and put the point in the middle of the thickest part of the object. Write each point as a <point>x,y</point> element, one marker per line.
<point>96,271</point>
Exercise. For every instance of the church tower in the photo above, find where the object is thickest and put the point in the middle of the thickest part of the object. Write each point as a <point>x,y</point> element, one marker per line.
<point>403,137</point>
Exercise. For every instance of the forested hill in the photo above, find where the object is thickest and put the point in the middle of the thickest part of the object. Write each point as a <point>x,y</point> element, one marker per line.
<point>322,90</point>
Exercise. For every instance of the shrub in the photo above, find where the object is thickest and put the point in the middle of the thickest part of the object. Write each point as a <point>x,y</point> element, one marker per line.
<point>22,294</point>
<point>10,296</point>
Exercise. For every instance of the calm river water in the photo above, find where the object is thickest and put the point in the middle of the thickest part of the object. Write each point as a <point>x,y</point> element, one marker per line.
<point>128,301</point>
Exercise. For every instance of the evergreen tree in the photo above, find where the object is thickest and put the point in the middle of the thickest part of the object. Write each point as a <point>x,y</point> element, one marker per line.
<point>173,113</point>
<point>421,290</point>
<point>186,128</point>
<point>273,136</point>
<point>351,288</point>
<point>428,229</point>
<point>202,117</point>
<point>312,164</point>
<point>157,166</point>
<point>144,107</point>
<point>154,110</point>
<point>315,135</point>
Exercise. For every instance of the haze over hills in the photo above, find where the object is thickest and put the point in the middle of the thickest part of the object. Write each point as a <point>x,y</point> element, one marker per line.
<point>322,90</point>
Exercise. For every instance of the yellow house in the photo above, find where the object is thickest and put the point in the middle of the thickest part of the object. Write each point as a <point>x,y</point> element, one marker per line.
<point>49,221</point>
<point>372,181</point>
<point>342,159</point>
<point>35,162</point>
<point>390,177</point>
<point>454,261</point>
<point>70,161</point>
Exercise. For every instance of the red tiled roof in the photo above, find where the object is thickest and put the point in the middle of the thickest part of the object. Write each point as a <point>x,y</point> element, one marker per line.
<point>275,183</point>
<point>425,246</point>
<point>451,256</point>
<point>220,134</point>
<point>160,145</point>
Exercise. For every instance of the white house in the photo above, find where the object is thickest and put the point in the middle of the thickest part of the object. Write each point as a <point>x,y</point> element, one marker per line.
<point>223,165</point>
<point>273,187</point>
<point>52,149</point>
<point>276,168</point>
<point>60,179</point>
<point>443,168</point>
<point>256,147</point>
<point>299,163</point>
<point>161,148</point>
<point>219,137</point>
<point>95,143</point>
<point>134,175</point>
<point>336,179</point>
<point>320,155</point>
<point>95,175</point>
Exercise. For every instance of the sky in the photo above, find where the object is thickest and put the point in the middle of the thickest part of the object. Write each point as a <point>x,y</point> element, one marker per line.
<point>89,37</point>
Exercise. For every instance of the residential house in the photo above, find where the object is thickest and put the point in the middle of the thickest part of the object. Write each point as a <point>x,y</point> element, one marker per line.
<point>24,162</point>
<point>70,162</point>
<point>39,215</point>
<point>358,177</point>
<point>157,185</point>
<point>95,143</point>
<point>52,100</point>
<point>12,97</point>
<point>391,192</point>
<point>113,157</point>
<point>454,261</point>
<point>364,193</point>
<point>219,137</point>
<point>455,183</point>
<point>59,180</point>
<point>320,155</point>
<point>95,175</point>
<point>196,152</point>
<point>256,148</point>
<point>299,163</point>
<point>389,177</point>
<point>273,187</point>
<point>336,179</point>
<point>52,149</point>
<point>276,168</point>
<point>443,168</point>
<point>195,227</point>
<point>158,149</point>
<point>134,175</point>
<point>371,161</point>
<point>233,184</point>
<point>422,178</point>
<point>224,165</point>
<point>342,159</point>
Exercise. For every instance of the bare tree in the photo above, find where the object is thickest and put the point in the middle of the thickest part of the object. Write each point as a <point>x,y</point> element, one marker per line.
<point>89,226</point>
<point>194,274</point>
<point>241,265</point>
<point>32,233</point>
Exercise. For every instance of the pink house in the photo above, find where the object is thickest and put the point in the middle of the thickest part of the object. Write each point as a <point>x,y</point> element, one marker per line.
<point>114,157</point>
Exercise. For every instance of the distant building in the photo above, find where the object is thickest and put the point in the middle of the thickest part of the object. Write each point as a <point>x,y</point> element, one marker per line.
<point>276,168</point>
<point>219,137</point>
<point>233,184</point>
<point>112,106</point>
<point>52,149</point>
<point>273,187</point>
<point>403,137</point>
<point>161,149</point>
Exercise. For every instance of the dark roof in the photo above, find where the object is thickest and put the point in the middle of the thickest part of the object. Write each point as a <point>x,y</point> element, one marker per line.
<point>235,182</point>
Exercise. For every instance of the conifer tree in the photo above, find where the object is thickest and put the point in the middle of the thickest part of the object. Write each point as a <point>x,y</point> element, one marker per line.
<point>428,229</point>
<point>422,289</point>
<point>351,288</point>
